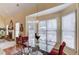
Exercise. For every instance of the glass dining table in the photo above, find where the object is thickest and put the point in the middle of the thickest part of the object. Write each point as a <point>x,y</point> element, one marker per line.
<point>31,51</point>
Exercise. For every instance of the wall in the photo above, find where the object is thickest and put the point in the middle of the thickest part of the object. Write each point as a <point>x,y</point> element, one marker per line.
<point>2,22</point>
<point>5,20</point>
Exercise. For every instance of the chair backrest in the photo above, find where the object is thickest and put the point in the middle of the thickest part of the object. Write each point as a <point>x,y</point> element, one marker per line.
<point>61,48</point>
<point>25,39</point>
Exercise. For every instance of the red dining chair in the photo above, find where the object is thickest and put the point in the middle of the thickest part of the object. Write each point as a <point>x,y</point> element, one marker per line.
<point>61,49</point>
<point>17,40</point>
<point>25,41</point>
<point>58,52</point>
<point>21,41</point>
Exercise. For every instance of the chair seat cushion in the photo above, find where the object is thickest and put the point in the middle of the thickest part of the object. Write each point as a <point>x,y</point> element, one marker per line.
<point>54,52</point>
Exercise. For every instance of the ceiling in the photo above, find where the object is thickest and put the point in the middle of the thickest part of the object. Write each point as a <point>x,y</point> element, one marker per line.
<point>13,8</point>
<point>51,10</point>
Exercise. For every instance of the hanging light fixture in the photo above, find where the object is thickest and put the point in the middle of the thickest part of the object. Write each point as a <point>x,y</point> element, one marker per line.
<point>17,4</point>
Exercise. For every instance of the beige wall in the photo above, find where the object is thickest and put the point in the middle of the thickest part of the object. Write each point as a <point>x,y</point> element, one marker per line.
<point>5,20</point>
<point>2,22</point>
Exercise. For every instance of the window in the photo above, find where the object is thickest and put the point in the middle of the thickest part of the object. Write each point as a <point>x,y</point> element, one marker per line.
<point>47,30</point>
<point>17,28</point>
<point>51,33</point>
<point>48,34</point>
<point>31,32</point>
<point>42,33</point>
<point>68,29</point>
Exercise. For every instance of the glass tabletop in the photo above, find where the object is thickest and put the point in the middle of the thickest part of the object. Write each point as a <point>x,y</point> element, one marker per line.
<point>32,51</point>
